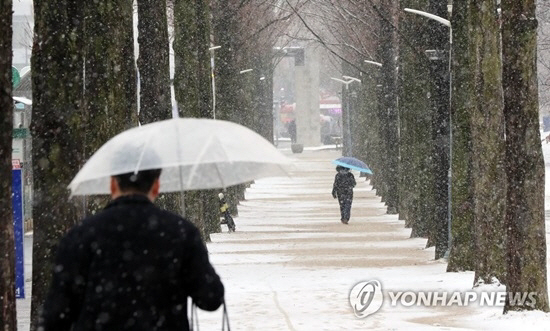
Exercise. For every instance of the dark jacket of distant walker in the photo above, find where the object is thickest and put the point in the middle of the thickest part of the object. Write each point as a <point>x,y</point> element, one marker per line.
<point>344,182</point>
<point>130,267</point>
<point>343,185</point>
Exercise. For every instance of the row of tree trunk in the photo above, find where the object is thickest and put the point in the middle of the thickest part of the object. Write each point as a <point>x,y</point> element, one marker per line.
<point>455,136</point>
<point>496,163</point>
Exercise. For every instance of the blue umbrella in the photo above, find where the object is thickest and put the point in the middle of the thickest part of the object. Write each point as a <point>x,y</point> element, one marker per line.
<point>352,163</point>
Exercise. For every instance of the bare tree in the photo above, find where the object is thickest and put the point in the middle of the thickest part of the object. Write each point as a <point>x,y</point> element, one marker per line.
<point>194,94</point>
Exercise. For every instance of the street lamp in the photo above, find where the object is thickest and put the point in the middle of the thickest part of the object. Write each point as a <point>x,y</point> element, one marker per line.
<point>352,78</point>
<point>212,49</point>
<point>347,136</point>
<point>378,64</point>
<point>245,71</point>
<point>432,54</point>
<point>441,20</point>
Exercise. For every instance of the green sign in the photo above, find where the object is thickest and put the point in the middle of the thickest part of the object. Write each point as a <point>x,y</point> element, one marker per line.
<point>15,77</point>
<point>20,133</point>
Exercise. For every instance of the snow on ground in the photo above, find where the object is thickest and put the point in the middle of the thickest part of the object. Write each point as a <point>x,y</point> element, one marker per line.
<point>291,264</point>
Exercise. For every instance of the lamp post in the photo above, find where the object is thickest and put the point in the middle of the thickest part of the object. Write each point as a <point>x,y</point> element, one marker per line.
<point>352,78</point>
<point>212,49</point>
<point>378,64</point>
<point>348,151</point>
<point>435,56</point>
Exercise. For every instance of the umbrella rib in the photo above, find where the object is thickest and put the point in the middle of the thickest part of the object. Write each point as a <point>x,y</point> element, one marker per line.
<point>220,175</point>
<point>182,194</point>
<point>141,154</point>
<point>179,152</point>
<point>217,166</point>
<point>203,153</point>
<point>199,158</point>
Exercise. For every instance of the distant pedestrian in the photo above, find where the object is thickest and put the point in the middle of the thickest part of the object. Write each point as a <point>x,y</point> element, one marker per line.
<point>131,266</point>
<point>224,210</point>
<point>292,131</point>
<point>344,182</point>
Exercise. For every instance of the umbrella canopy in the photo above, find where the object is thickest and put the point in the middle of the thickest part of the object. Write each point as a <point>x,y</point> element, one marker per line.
<point>352,163</point>
<point>193,154</point>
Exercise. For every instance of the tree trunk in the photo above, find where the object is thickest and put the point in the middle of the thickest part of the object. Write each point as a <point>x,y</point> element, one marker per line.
<point>186,86</point>
<point>154,76</point>
<point>7,261</point>
<point>488,145</point>
<point>526,235</point>
<point>374,145</point>
<point>369,105</point>
<point>193,94</point>
<point>153,62</point>
<point>439,65</point>
<point>416,143</point>
<point>462,254</point>
<point>203,69</point>
<point>110,101</point>
<point>360,120</point>
<point>110,90</point>
<point>263,95</point>
<point>56,130</point>
<point>346,129</point>
<point>229,82</point>
<point>185,77</point>
<point>389,112</point>
<point>192,78</point>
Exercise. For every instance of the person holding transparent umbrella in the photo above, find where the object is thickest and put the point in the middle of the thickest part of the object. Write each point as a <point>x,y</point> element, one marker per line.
<point>131,266</point>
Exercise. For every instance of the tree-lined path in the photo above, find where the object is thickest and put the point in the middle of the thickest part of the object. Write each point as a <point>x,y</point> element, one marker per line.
<point>291,263</point>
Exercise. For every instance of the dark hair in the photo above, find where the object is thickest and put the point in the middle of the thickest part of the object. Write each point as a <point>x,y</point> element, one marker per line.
<point>140,182</point>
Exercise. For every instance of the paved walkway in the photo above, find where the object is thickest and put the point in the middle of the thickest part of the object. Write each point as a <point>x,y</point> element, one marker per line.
<point>292,263</point>
<point>24,305</point>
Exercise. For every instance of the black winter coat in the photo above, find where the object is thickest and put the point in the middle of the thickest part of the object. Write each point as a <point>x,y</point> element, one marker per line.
<point>130,267</point>
<point>343,184</point>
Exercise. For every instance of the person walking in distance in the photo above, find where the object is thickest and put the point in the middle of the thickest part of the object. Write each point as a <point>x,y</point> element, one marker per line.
<point>292,131</point>
<point>344,182</point>
<point>227,218</point>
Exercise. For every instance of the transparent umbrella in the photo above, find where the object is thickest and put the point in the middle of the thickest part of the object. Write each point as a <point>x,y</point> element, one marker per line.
<point>193,154</point>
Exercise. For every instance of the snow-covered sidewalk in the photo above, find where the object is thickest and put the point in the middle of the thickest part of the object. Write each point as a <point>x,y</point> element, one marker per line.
<point>291,263</point>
